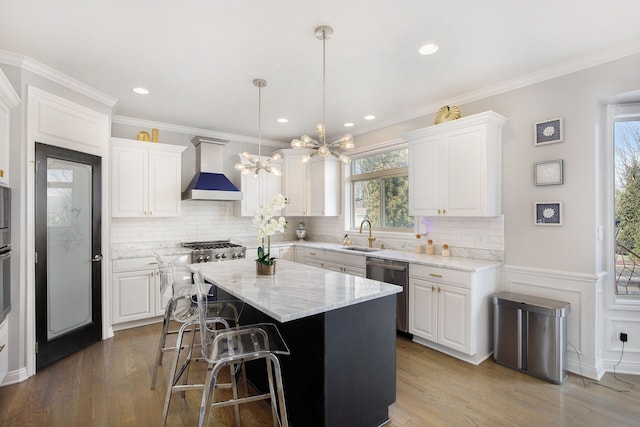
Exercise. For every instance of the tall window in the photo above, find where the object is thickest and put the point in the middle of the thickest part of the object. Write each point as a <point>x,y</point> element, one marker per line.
<point>380,191</point>
<point>626,140</point>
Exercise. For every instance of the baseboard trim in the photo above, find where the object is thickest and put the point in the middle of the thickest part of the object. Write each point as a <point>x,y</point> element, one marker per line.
<point>16,376</point>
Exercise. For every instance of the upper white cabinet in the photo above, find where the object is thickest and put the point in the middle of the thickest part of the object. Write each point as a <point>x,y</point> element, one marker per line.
<point>312,188</point>
<point>324,186</point>
<point>455,168</point>
<point>257,190</point>
<point>8,100</point>
<point>146,180</point>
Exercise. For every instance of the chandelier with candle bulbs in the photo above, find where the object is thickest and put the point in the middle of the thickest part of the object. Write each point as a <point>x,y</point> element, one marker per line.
<point>256,164</point>
<point>320,146</point>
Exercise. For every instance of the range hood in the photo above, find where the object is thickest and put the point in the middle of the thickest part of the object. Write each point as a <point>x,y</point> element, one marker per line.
<point>210,183</point>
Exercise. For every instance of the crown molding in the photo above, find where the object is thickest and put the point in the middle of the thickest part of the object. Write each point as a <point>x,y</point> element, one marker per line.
<point>42,70</point>
<point>579,64</point>
<point>8,94</point>
<point>224,136</point>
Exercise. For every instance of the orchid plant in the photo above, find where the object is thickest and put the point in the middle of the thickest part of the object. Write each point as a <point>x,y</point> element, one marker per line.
<point>268,225</point>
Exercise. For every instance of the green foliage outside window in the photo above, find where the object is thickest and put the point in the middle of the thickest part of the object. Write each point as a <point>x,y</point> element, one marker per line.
<point>380,187</point>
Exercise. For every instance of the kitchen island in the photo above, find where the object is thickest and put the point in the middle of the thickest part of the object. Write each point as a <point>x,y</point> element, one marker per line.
<point>340,330</point>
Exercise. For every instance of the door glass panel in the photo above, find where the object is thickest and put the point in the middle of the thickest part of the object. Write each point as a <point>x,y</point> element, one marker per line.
<point>68,246</point>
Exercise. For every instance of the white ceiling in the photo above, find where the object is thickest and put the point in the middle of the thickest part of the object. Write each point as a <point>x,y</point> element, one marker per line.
<point>198,58</point>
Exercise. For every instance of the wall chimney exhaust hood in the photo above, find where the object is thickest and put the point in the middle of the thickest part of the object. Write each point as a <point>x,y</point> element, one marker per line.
<point>210,182</point>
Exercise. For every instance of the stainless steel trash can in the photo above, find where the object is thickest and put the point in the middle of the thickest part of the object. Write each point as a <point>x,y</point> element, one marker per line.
<point>530,334</point>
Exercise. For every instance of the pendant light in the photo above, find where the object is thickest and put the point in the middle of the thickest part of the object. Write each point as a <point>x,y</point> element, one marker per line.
<point>320,146</point>
<point>256,164</point>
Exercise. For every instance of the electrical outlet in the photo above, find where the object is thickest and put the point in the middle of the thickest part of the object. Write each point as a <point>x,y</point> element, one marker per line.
<point>623,337</point>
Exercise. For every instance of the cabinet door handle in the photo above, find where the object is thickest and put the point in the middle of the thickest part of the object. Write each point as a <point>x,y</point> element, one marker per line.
<point>438,211</point>
<point>444,211</point>
<point>1,348</point>
<point>435,275</point>
<point>439,290</point>
<point>433,288</point>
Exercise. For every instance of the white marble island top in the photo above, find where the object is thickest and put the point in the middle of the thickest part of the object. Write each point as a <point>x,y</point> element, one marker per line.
<point>296,290</point>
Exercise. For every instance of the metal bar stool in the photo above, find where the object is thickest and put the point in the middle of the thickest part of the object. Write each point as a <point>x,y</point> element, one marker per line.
<point>230,347</point>
<point>220,315</point>
<point>176,309</point>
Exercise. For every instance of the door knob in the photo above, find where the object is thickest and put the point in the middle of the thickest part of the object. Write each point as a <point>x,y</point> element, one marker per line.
<point>96,258</point>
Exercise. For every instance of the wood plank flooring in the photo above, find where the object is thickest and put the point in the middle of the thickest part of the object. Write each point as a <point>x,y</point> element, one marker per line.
<point>107,384</point>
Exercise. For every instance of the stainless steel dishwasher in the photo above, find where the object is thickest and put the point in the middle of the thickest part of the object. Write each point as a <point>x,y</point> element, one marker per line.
<point>396,273</point>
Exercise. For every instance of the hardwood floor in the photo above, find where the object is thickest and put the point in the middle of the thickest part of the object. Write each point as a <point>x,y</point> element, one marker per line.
<point>107,384</point>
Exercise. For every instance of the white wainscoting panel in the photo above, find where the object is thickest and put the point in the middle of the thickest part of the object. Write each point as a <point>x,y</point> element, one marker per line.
<point>66,124</point>
<point>582,292</point>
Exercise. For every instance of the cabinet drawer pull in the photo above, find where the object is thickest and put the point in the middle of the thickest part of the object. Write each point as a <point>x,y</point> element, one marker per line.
<point>312,253</point>
<point>435,275</point>
<point>1,348</point>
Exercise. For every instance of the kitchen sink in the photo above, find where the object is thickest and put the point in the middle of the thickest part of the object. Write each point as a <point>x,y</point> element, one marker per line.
<point>360,249</point>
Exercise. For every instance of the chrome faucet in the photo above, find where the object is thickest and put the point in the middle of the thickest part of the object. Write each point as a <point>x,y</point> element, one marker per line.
<point>371,239</point>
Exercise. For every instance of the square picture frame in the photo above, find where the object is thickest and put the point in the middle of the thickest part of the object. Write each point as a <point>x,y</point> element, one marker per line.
<point>547,213</point>
<point>548,132</point>
<point>549,172</point>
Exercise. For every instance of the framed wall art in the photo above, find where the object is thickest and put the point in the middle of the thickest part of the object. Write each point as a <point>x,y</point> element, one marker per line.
<point>547,132</point>
<point>550,172</point>
<point>547,213</point>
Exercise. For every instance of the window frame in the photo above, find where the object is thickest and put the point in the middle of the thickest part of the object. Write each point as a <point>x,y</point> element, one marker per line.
<point>615,113</point>
<point>383,174</point>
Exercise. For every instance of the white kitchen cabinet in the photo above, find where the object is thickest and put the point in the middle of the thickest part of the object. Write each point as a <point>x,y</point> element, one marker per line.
<point>312,188</point>
<point>451,310</point>
<point>324,176</point>
<point>136,291</point>
<point>315,257</point>
<point>455,167</point>
<point>8,100</point>
<point>287,252</point>
<point>4,349</point>
<point>258,190</point>
<point>294,182</point>
<point>146,179</point>
<point>355,265</point>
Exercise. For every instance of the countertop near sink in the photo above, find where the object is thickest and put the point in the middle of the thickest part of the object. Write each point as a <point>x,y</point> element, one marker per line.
<point>455,263</point>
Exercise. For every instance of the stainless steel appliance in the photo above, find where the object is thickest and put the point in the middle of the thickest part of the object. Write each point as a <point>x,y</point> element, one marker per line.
<point>217,250</point>
<point>396,273</point>
<point>5,252</point>
<point>530,334</point>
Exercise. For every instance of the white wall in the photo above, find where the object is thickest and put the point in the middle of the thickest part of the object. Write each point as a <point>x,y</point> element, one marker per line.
<point>560,262</point>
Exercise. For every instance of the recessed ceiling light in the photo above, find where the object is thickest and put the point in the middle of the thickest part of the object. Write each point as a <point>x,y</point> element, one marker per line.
<point>140,91</point>
<point>283,120</point>
<point>369,117</point>
<point>428,49</point>
<point>348,125</point>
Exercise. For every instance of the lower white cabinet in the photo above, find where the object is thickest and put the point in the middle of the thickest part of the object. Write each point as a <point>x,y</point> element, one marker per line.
<point>4,349</point>
<point>136,291</point>
<point>355,265</point>
<point>287,252</point>
<point>451,310</point>
<point>314,257</point>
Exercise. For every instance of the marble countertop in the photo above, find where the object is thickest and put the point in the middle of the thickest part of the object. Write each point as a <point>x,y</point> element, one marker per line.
<point>296,290</point>
<point>455,263</point>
